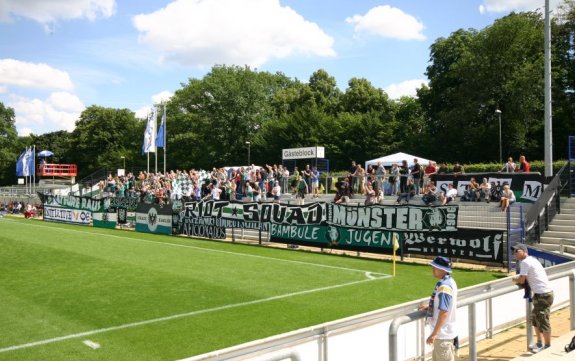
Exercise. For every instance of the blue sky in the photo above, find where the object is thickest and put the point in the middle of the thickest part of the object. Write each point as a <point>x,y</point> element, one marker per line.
<point>58,57</point>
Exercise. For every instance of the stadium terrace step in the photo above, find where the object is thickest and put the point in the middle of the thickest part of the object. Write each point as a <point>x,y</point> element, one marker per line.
<point>563,228</point>
<point>557,234</point>
<point>565,216</point>
<point>554,353</point>
<point>557,240</point>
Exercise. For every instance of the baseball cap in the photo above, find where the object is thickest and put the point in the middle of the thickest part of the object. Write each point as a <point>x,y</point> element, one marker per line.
<point>443,263</point>
<point>520,246</point>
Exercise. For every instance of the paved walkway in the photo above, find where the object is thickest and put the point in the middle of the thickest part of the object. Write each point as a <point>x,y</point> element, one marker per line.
<point>510,344</point>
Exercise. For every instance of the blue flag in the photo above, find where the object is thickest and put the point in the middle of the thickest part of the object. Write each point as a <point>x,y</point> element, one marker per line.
<point>25,164</point>
<point>161,131</point>
<point>20,165</point>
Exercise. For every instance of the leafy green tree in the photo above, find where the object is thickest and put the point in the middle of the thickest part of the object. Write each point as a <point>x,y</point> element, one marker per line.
<point>8,145</point>
<point>57,142</point>
<point>222,112</point>
<point>103,136</point>
<point>474,73</point>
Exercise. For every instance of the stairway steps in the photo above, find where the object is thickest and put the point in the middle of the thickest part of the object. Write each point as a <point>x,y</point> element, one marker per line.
<point>565,216</point>
<point>562,228</point>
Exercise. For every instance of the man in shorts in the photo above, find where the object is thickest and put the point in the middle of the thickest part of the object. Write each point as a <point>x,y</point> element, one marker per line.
<point>532,272</point>
<point>441,312</point>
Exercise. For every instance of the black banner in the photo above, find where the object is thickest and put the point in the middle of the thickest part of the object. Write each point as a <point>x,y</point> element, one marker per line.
<point>475,244</point>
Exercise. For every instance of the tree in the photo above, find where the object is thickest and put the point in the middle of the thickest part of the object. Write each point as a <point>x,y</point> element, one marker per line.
<point>224,110</point>
<point>8,145</point>
<point>102,136</point>
<point>471,75</point>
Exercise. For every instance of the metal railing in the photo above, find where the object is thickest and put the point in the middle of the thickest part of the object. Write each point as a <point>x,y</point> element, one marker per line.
<point>326,341</point>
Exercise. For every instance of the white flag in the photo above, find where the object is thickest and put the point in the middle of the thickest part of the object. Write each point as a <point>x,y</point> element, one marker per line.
<point>150,134</point>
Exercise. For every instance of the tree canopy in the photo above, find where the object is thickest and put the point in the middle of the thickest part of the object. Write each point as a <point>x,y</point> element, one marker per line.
<point>471,73</point>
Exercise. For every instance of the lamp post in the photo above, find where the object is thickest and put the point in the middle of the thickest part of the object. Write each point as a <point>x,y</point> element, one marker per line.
<point>498,112</point>
<point>249,146</point>
<point>124,159</point>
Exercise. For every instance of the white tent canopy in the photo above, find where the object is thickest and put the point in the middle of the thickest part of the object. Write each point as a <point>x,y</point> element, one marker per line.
<point>388,160</point>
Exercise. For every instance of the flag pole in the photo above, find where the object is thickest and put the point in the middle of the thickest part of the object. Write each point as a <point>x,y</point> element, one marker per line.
<point>395,248</point>
<point>34,170</point>
<point>165,132</point>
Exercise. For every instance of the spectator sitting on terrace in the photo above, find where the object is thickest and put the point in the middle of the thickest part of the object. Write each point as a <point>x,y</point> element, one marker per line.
<point>507,198</point>
<point>472,192</point>
<point>408,194</point>
<point>485,190</point>
<point>3,210</point>
<point>343,192</point>
<point>430,194</point>
<point>30,211</point>
<point>450,195</point>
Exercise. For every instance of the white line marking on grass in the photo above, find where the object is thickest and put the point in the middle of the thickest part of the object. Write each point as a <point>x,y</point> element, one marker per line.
<point>91,344</point>
<point>182,315</point>
<point>211,250</point>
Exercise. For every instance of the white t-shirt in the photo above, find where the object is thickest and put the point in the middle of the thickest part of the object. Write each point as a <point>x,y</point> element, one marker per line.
<point>536,275</point>
<point>446,299</point>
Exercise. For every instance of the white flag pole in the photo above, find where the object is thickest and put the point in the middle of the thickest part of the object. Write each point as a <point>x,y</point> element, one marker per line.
<point>165,137</point>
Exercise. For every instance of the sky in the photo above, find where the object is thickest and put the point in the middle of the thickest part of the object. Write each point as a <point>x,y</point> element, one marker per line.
<point>58,57</point>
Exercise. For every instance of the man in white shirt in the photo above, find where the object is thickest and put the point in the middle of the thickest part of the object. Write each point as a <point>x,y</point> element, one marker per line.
<point>532,272</point>
<point>449,195</point>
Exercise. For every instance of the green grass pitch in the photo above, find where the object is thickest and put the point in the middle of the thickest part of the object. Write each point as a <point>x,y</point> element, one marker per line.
<point>82,293</point>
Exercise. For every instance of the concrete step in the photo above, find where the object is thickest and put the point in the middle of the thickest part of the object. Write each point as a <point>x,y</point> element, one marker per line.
<point>565,216</point>
<point>557,240</point>
<point>557,234</point>
<point>563,222</point>
<point>562,228</point>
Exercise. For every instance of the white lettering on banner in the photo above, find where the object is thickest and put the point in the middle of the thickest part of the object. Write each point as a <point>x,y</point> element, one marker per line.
<point>400,218</point>
<point>375,238</point>
<point>485,247</point>
<point>294,232</point>
<point>77,202</point>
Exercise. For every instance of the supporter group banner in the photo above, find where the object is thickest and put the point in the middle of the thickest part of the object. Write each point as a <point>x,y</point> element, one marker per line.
<point>154,218</point>
<point>125,208</point>
<point>527,187</point>
<point>474,244</point>
<point>71,209</point>
<point>325,225</point>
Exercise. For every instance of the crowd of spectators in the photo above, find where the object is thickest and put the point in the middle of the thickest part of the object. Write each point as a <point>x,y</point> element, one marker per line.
<point>29,210</point>
<point>253,182</point>
<point>407,181</point>
<point>256,183</point>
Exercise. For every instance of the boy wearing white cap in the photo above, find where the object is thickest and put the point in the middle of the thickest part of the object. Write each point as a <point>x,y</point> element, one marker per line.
<point>441,312</point>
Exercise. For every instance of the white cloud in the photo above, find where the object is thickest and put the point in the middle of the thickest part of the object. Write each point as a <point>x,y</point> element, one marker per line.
<point>31,75</point>
<point>58,112</point>
<point>388,22</point>
<point>405,88</point>
<point>143,112</point>
<point>202,33</point>
<point>49,11</point>
<point>162,97</point>
<point>504,6</point>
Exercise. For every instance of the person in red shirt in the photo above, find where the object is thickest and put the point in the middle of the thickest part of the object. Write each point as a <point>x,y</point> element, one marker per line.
<point>524,166</point>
